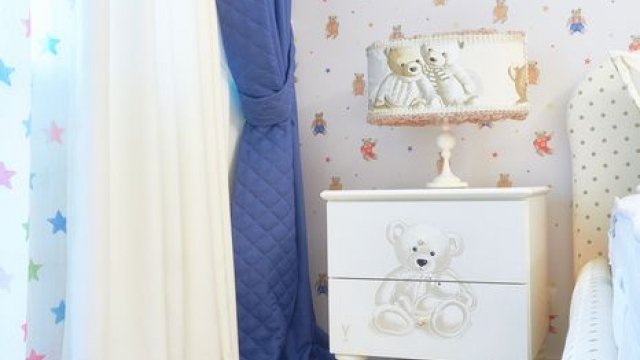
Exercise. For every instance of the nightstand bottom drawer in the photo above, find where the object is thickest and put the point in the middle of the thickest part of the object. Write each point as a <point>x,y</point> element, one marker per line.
<point>427,320</point>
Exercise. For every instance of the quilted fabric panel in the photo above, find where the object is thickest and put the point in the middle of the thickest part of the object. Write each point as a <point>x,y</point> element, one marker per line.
<point>264,238</point>
<point>275,311</point>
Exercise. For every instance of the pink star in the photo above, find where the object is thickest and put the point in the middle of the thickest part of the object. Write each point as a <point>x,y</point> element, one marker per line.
<point>25,330</point>
<point>27,25</point>
<point>587,61</point>
<point>5,176</point>
<point>34,356</point>
<point>55,133</point>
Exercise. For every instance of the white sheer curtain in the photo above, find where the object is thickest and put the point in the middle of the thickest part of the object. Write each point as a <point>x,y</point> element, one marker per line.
<point>149,259</point>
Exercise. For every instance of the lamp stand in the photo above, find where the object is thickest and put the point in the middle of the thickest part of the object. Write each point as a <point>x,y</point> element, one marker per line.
<point>447,179</point>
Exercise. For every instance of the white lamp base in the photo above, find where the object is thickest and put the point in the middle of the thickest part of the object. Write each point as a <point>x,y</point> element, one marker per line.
<point>447,179</point>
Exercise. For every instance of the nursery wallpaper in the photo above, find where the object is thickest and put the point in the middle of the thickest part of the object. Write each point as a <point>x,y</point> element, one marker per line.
<point>15,79</point>
<point>341,151</point>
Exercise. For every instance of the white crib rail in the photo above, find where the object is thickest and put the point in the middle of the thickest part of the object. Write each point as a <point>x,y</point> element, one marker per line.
<point>590,331</point>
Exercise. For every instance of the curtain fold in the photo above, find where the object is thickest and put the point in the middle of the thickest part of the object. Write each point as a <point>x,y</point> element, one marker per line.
<point>275,310</point>
<point>149,266</point>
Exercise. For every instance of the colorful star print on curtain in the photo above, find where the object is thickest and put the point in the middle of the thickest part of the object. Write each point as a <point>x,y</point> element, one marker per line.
<point>15,79</point>
<point>50,26</point>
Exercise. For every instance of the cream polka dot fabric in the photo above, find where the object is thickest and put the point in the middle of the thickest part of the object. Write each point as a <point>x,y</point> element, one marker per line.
<point>604,132</point>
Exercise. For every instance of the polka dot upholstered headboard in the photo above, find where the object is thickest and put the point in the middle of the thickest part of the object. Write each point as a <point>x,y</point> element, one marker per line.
<point>604,133</point>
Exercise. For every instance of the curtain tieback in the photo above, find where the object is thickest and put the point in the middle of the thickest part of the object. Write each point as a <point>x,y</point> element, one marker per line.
<point>269,110</point>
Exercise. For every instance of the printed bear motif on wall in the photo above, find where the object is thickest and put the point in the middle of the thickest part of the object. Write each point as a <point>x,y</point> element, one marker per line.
<point>368,149</point>
<point>319,124</point>
<point>322,284</point>
<point>500,12</point>
<point>335,183</point>
<point>541,143</point>
<point>634,45</point>
<point>504,181</point>
<point>437,303</point>
<point>396,33</point>
<point>358,84</point>
<point>576,22</point>
<point>332,28</point>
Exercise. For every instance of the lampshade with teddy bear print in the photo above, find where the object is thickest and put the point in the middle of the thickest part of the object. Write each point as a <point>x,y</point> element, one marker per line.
<point>445,79</point>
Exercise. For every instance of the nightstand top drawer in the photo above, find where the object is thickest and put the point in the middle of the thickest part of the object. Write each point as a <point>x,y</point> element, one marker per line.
<point>476,241</point>
<point>465,194</point>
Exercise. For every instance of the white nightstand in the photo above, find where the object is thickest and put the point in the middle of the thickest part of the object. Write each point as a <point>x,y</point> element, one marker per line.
<point>447,274</point>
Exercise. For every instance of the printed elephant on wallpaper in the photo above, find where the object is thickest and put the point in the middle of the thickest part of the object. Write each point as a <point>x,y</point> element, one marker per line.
<point>441,307</point>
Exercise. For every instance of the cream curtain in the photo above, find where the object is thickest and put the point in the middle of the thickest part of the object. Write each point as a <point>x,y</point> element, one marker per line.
<point>150,272</point>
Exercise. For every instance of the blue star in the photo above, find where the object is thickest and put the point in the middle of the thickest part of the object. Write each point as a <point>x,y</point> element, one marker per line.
<point>59,311</point>
<point>5,73</point>
<point>59,223</point>
<point>51,45</point>
<point>31,177</point>
<point>5,279</point>
<point>27,126</point>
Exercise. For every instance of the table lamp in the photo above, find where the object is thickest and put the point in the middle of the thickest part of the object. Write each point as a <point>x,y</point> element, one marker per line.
<point>446,79</point>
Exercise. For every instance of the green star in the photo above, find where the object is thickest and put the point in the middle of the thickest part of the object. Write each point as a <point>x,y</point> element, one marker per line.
<point>33,270</point>
<point>27,229</point>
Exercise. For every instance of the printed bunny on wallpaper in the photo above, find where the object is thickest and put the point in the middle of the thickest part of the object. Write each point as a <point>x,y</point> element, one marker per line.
<point>439,2</point>
<point>358,84</point>
<point>519,76</point>
<point>319,124</point>
<point>541,143</point>
<point>576,22</point>
<point>500,12</point>
<point>406,85</point>
<point>437,303</point>
<point>332,27</point>
<point>452,82</point>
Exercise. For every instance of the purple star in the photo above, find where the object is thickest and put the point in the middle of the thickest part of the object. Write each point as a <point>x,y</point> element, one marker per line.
<point>5,176</point>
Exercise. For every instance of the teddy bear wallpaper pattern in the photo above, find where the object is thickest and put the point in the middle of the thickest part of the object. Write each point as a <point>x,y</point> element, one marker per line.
<point>15,81</point>
<point>341,151</point>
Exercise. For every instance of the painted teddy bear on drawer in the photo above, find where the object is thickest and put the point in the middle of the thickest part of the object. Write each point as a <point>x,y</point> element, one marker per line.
<point>431,298</point>
<point>405,86</point>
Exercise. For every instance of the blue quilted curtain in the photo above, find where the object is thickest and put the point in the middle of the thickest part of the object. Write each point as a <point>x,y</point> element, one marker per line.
<point>275,310</point>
